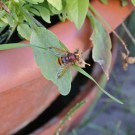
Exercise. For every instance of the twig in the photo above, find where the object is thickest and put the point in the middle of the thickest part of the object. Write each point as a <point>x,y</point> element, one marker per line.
<point>11,32</point>
<point>128,32</point>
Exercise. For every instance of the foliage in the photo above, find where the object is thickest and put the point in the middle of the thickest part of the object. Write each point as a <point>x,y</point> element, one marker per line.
<point>101,39</point>
<point>133,1</point>
<point>45,59</point>
<point>20,15</point>
<point>76,11</point>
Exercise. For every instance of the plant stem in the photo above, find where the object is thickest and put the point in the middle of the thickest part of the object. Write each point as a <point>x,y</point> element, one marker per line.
<point>11,32</point>
<point>2,28</point>
<point>3,36</point>
<point>128,33</point>
<point>102,19</point>
<point>74,132</point>
<point>68,116</point>
<point>117,128</point>
<point>34,20</point>
<point>28,19</point>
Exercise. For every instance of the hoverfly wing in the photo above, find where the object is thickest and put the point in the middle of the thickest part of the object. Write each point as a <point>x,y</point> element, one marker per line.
<point>61,71</point>
<point>57,51</point>
<point>63,46</point>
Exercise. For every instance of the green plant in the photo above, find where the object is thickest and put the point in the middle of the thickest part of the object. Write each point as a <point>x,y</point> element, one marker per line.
<point>113,125</point>
<point>20,15</point>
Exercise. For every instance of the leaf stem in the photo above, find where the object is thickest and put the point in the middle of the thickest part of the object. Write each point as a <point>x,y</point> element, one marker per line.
<point>36,21</point>
<point>3,36</point>
<point>31,22</point>
<point>69,114</point>
<point>101,89</point>
<point>11,32</point>
<point>2,28</point>
<point>128,33</point>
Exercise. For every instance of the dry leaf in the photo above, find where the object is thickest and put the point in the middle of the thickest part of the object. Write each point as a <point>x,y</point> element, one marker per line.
<point>2,5</point>
<point>131,60</point>
<point>127,60</point>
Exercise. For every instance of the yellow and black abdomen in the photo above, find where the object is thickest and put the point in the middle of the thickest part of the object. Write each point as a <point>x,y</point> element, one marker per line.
<point>59,61</point>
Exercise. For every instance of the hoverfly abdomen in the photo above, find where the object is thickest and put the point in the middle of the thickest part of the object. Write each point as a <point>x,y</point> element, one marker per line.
<point>65,59</point>
<point>60,61</point>
<point>70,58</point>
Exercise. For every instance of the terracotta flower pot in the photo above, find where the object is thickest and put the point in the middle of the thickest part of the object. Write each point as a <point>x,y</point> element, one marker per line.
<point>25,93</point>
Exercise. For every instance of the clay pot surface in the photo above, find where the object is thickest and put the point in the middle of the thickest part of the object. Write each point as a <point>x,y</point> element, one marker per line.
<point>24,93</point>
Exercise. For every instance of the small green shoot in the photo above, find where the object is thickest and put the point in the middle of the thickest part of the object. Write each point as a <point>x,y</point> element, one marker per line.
<point>68,116</point>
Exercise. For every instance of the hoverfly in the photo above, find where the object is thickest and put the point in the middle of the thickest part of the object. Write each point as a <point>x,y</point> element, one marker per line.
<point>66,59</point>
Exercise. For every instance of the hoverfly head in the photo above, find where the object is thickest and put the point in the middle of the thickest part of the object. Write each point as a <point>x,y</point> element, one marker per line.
<point>77,54</point>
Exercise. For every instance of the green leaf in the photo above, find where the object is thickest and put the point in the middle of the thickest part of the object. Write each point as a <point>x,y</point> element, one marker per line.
<point>104,1</point>
<point>47,61</point>
<point>44,12</point>
<point>124,3</point>
<point>133,2</point>
<point>12,46</point>
<point>105,92</point>
<point>35,1</point>
<point>53,10</point>
<point>2,24</point>
<point>18,45</point>
<point>2,13</point>
<point>34,11</point>
<point>24,30</point>
<point>101,41</point>
<point>56,3</point>
<point>10,20</point>
<point>14,14</point>
<point>77,10</point>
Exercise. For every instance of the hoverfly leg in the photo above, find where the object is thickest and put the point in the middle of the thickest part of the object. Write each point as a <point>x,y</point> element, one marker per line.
<point>81,63</point>
<point>61,71</point>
